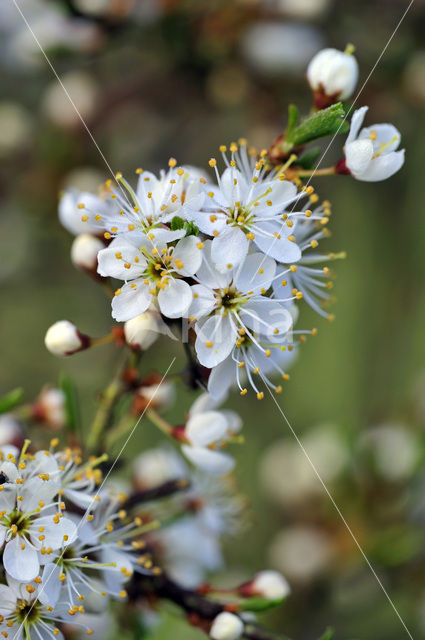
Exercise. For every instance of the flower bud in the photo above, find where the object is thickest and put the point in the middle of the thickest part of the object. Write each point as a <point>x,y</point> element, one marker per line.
<point>64,339</point>
<point>49,408</point>
<point>267,584</point>
<point>155,467</point>
<point>10,432</point>
<point>142,331</point>
<point>158,395</point>
<point>226,626</point>
<point>332,75</point>
<point>84,252</point>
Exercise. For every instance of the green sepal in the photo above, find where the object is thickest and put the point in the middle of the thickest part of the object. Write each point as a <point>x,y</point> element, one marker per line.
<point>293,116</point>
<point>72,414</point>
<point>257,603</point>
<point>11,399</point>
<point>328,635</point>
<point>177,223</point>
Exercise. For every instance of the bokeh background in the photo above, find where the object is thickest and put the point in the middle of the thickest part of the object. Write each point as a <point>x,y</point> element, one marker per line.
<point>155,78</point>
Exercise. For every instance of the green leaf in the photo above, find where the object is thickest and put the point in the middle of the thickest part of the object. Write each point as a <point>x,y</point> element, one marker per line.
<point>71,403</point>
<point>323,123</point>
<point>11,399</point>
<point>177,223</point>
<point>257,603</point>
<point>293,115</point>
<point>328,635</point>
<point>308,159</point>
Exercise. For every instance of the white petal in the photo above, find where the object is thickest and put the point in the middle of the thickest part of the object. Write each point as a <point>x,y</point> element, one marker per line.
<point>231,191</point>
<point>208,274</point>
<point>383,134</point>
<point>122,261</point>
<point>131,301</point>
<point>255,273</point>
<point>20,560</point>
<point>215,340</point>
<point>384,167</point>
<point>203,302</point>
<point>54,533</point>
<point>234,421</point>
<point>214,462</point>
<point>37,490</point>
<point>358,156</point>
<point>204,402</point>
<point>356,123</point>
<point>266,317</point>
<point>229,248</point>
<point>279,248</point>
<point>205,428</point>
<point>189,254</point>
<point>174,300</point>
<point>161,237</point>
<point>7,600</point>
<point>221,379</point>
<point>51,585</point>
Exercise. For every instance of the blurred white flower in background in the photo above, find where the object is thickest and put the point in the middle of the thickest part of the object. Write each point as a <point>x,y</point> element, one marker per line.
<point>272,48</point>
<point>84,93</point>
<point>394,448</point>
<point>301,552</point>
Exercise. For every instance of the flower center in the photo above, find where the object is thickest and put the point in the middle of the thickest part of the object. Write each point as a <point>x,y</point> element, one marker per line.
<point>241,217</point>
<point>27,612</point>
<point>17,523</point>
<point>231,299</point>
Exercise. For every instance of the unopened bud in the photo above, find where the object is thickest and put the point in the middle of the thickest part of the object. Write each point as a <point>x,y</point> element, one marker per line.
<point>333,76</point>
<point>142,331</point>
<point>49,408</point>
<point>64,339</point>
<point>158,396</point>
<point>267,584</point>
<point>10,432</point>
<point>226,626</point>
<point>84,252</point>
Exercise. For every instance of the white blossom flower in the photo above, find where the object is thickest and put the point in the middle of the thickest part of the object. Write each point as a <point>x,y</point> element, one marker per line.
<point>248,205</point>
<point>151,271</point>
<point>229,305</point>
<point>333,74</point>
<point>32,521</point>
<point>371,153</point>
<point>154,203</point>
<point>154,467</point>
<point>23,616</point>
<point>10,432</point>
<point>49,408</point>
<point>226,626</point>
<point>63,339</point>
<point>208,429</point>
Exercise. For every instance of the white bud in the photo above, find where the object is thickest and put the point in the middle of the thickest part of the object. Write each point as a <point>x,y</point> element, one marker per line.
<point>271,585</point>
<point>226,626</point>
<point>50,408</point>
<point>142,331</point>
<point>63,338</point>
<point>333,74</point>
<point>159,396</point>
<point>10,431</point>
<point>84,251</point>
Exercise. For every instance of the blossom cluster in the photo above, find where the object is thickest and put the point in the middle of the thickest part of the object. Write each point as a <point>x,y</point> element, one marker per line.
<point>53,557</point>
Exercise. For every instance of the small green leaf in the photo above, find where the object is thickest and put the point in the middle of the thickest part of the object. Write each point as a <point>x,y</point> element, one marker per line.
<point>191,229</point>
<point>258,604</point>
<point>323,123</point>
<point>177,223</point>
<point>308,159</point>
<point>71,403</point>
<point>328,635</point>
<point>293,115</point>
<point>11,399</point>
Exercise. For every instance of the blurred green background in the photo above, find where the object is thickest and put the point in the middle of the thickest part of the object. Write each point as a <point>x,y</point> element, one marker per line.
<point>154,79</point>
